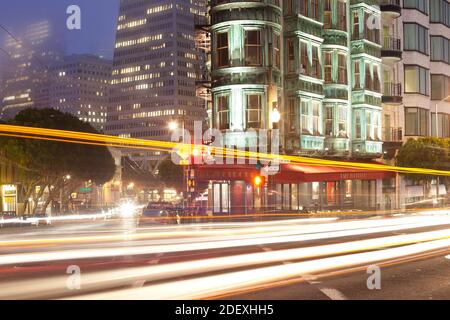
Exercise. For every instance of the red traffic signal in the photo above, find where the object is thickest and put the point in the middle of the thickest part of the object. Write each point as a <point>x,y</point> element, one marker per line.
<point>258,181</point>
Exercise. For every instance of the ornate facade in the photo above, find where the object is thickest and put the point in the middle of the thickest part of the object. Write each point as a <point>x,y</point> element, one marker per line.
<point>318,62</point>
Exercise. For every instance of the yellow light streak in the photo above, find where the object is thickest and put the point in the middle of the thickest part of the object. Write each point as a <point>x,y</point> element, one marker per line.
<point>141,143</point>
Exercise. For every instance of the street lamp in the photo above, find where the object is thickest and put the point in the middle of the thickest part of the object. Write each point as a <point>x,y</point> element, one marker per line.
<point>436,114</point>
<point>173,125</point>
<point>275,116</point>
<point>437,136</point>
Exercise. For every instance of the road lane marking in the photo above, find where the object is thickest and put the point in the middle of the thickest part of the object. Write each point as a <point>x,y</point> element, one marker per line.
<point>333,294</point>
<point>138,284</point>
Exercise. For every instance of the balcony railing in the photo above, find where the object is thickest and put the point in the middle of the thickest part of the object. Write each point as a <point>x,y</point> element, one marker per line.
<point>390,2</point>
<point>393,134</point>
<point>392,89</point>
<point>392,43</point>
<point>392,93</point>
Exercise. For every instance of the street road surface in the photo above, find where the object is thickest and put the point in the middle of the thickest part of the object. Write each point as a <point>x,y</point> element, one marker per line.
<point>307,258</point>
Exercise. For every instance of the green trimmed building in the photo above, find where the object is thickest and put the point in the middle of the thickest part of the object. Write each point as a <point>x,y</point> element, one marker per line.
<point>318,62</point>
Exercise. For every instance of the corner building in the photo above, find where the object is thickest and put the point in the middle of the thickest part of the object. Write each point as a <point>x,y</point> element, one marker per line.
<point>319,63</point>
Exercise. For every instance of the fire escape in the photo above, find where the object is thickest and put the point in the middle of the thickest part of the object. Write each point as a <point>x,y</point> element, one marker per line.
<point>203,47</point>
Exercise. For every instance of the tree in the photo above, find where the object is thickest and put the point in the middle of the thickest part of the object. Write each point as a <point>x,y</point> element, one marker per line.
<point>171,174</point>
<point>430,153</point>
<point>47,163</point>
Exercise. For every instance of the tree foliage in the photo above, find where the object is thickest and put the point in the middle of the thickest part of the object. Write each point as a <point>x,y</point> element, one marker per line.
<point>431,153</point>
<point>171,174</point>
<point>46,163</point>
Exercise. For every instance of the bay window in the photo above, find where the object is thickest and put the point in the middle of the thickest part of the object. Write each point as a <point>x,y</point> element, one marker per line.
<point>416,80</point>
<point>253,48</point>
<point>222,50</point>
<point>223,110</point>
<point>254,107</point>
<point>416,121</point>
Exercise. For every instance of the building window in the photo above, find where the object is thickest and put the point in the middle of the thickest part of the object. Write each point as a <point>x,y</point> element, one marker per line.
<point>416,80</point>
<point>305,117</point>
<point>376,126</point>
<point>329,121</point>
<point>291,55</point>
<point>304,58</point>
<point>292,115</point>
<point>368,79</point>
<point>223,112</point>
<point>443,120</point>
<point>316,105</point>
<point>304,7</point>
<point>342,68</point>
<point>416,37</point>
<point>356,22</point>
<point>343,119</point>
<point>254,106</point>
<point>310,69</point>
<point>371,32</point>
<point>253,48</point>
<point>315,67</point>
<point>277,50</point>
<point>342,15</point>
<point>440,12</point>
<point>358,125</point>
<point>416,121</point>
<point>357,74</point>
<point>289,5</point>
<point>315,12</point>
<point>440,49</point>
<point>328,67</point>
<point>327,15</point>
<point>439,86</point>
<point>222,50</point>
<point>369,134</point>
<point>421,5</point>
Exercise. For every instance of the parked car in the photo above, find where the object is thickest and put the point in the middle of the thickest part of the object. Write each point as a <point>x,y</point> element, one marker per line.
<point>159,214</point>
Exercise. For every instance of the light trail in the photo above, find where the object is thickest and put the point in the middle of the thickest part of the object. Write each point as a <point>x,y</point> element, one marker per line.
<point>222,284</point>
<point>323,231</point>
<point>55,286</point>
<point>138,143</point>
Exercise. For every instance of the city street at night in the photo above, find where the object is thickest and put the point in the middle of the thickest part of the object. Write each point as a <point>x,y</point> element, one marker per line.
<point>222,159</point>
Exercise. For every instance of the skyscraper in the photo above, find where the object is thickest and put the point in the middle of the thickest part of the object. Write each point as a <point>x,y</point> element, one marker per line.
<point>80,86</point>
<point>26,73</point>
<point>154,75</point>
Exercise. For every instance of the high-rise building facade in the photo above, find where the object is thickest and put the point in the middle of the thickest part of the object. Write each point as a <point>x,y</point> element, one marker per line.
<point>155,69</point>
<point>80,86</point>
<point>26,73</point>
<point>426,63</point>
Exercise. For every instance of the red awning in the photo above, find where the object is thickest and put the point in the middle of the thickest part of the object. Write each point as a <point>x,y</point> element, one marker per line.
<point>289,173</point>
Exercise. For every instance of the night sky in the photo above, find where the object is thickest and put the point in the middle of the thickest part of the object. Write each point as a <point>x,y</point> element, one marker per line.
<point>99,20</point>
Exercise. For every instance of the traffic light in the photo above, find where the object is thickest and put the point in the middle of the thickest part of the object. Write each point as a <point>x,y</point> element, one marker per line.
<point>258,181</point>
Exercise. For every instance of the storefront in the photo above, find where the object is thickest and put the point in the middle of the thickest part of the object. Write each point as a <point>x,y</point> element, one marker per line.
<point>233,189</point>
<point>8,195</point>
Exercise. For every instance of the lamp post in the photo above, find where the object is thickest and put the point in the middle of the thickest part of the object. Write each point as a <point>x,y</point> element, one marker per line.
<point>61,193</point>
<point>174,125</point>
<point>275,117</point>
<point>436,114</point>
